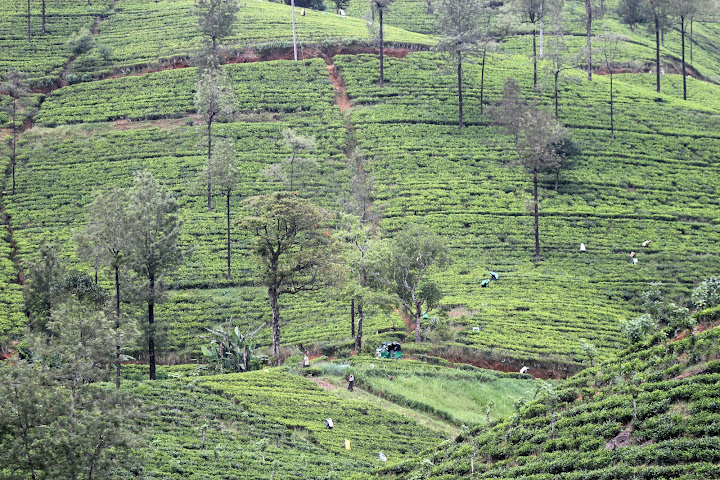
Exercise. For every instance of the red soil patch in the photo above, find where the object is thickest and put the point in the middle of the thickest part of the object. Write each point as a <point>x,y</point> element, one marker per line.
<point>666,68</point>
<point>691,373</point>
<point>176,64</point>
<point>698,329</point>
<point>125,124</point>
<point>122,124</point>
<point>510,367</point>
<point>341,98</point>
<point>252,56</point>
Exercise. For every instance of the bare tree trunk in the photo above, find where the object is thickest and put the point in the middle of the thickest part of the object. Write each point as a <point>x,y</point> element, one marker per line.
<point>534,57</point>
<point>228,193</point>
<point>292,171</point>
<point>418,315</point>
<point>429,8</point>
<point>117,325</point>
<point>588,26</point>
<point>460,100</point>
<point>542,43</point>
<point>657,52</point>
<point>537,216</point>
<point>14,143</point>
<point>691,39</point>
<point>28,20</point>
<point>209,154</point>
<point>556,75</point>
<point>292,7</point>
<point>43,17</point>
<point>684,73</point>
<point>352,318</point>
<point>151,327</point>
<point>382,46</point>
<point>482,80</point>
<point>358,338</point>
<point>273,294</point>
<point>73,421</point>
<point>612,119</point>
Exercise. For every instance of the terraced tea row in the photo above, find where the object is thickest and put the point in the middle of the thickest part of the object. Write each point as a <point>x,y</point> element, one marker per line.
<point>142,33</point>
<point>45,55</point>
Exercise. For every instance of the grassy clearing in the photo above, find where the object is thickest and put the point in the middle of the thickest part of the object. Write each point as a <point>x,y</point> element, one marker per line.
<point>465,401</point>
<point>458,396</point>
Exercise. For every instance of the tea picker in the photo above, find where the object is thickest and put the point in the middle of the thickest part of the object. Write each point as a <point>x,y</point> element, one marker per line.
<point>486,282</point>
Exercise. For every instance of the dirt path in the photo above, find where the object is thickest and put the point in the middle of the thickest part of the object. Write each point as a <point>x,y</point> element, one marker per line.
<point>253,56</point>
<point>324,384</point>
<point>341,98</point>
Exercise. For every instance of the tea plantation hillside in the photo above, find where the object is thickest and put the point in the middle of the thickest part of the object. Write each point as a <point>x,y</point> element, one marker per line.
<point>638,44</point>
<point>651,413</point>
<point>137,34</point>
<point>267,423</point>
<point>273,422</point>
<point>657,180</point>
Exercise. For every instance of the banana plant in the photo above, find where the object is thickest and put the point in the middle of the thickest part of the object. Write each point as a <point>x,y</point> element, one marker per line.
<point>230,350</point>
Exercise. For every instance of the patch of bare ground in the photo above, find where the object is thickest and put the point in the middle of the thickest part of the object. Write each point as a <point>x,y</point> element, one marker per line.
<point>702,327</point>
<point>341,99</point>
<point>623,439</point>
<point>163,123</point>
<point>252,56</point>
<point>323,383</point>
<point>674,68</point>
<point>690,373</point>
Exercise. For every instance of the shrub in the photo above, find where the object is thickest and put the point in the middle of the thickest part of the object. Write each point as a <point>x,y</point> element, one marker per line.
<point>707,294</point>
<point>80,42</point>
<point>637,328</point>
<point>105,52</point>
